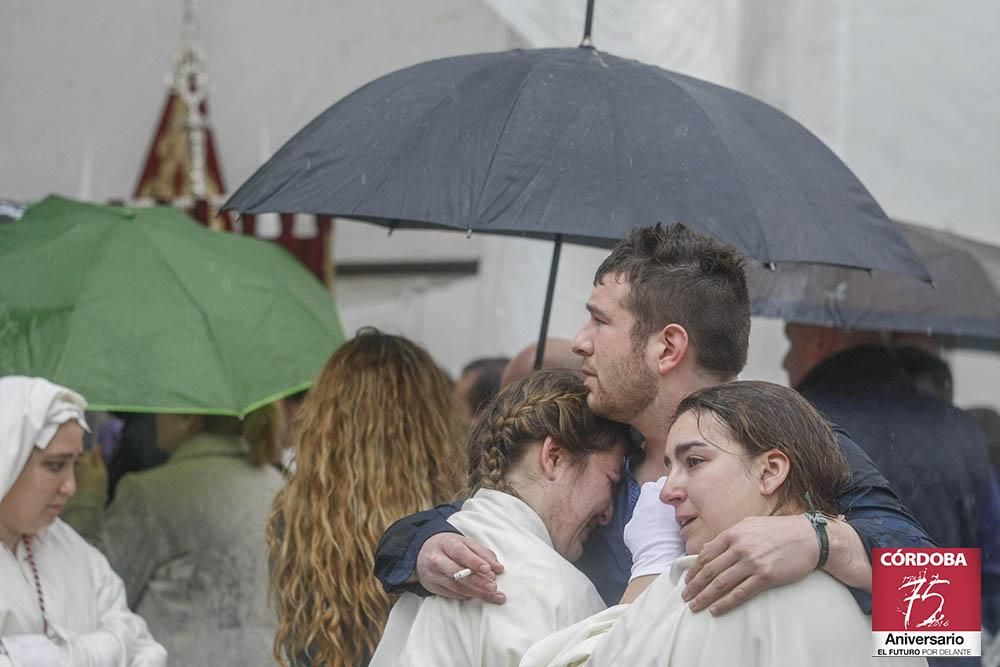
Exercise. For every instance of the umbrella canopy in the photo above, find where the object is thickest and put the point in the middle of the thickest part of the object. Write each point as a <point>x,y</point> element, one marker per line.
<point>145,310</point>
<point>962,306</point>
<point>582,145</point>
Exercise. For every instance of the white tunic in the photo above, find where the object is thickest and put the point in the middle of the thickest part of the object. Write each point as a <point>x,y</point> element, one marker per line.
<point>84,603</point>
<point>545,592</point>
<point>813,622</point>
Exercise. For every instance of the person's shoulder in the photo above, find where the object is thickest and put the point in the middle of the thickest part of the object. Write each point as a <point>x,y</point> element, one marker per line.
<point>818,603</point>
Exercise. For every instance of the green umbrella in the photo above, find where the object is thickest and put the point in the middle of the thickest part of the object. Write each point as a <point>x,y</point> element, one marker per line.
<point>142,309</point>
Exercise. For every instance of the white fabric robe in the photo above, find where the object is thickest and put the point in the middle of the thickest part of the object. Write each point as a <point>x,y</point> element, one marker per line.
<point>84,603</point>
<point>813,622</point>
<point>545,592</point>
<point>187,538</point>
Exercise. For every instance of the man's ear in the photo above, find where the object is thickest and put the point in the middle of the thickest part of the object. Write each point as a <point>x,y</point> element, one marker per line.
<point>553,458</point>
<point>672,346</point>
<point>773,469</point>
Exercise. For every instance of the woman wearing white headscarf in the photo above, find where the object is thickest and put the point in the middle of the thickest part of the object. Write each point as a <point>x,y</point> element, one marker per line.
<point>61,604</point>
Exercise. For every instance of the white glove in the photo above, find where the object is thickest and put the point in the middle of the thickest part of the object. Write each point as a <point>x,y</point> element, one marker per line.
<point>653,536</point>
<point>31,651</point>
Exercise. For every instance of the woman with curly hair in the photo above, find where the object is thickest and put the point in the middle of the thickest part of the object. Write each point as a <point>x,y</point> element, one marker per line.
<point>379,436</point>
<point>542,468</point>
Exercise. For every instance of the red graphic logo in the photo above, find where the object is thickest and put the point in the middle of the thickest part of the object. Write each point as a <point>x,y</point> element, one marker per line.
<point>926,589</point>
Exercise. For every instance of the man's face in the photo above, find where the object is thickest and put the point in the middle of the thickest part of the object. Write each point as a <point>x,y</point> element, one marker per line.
<point>620,381</point>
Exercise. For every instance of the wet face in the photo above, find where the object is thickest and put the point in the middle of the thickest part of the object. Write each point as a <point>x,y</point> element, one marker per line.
<point>620,381</point>
<point>43,487</point>
<point>581,500</point>
<point>711,483</point>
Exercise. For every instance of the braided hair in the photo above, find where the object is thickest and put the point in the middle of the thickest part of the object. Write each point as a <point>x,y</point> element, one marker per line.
<point>545,403</point>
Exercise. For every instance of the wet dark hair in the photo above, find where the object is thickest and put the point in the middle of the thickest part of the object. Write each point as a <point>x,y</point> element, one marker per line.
<point>678,276</point>
<point>487,382</point>
<point>929,372</point>
<point>762,416</point>
<point>545,403</point>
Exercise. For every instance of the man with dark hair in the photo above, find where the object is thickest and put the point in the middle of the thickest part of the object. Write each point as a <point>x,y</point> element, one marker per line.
<point>933,453</point>
<point>670,314</point>
<point>478,383</point>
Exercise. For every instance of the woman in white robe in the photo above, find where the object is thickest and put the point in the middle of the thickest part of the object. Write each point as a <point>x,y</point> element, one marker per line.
<point>734,451</point>
<point>60,602</point>
<point>543,468</point>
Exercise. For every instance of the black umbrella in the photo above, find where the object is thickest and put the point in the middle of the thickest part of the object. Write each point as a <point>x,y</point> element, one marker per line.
<point>577,145</point>
<point>962,307</point>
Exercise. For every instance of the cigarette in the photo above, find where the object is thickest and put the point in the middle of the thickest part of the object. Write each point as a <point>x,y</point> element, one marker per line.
<point>461,574</point>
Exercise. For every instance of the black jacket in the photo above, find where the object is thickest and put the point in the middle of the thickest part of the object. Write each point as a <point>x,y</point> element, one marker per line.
<point>932,453</point>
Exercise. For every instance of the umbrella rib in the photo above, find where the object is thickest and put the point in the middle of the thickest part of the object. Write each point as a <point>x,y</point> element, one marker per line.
<point>391,172</point>
<point>91,268</point>
<point>729,155</point>
<point>208,325</point>
<point>496,144</point>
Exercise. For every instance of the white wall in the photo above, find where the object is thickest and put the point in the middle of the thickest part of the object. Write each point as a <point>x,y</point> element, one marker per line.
<point>78,74</point>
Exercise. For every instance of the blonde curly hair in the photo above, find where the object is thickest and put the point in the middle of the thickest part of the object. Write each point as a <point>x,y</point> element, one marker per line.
<point>378,437</point>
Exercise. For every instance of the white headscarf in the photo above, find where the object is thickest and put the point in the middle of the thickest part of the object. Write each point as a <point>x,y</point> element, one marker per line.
<point>31,411</point>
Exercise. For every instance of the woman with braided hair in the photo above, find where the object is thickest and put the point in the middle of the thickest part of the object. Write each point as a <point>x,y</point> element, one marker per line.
<point>542,468</point>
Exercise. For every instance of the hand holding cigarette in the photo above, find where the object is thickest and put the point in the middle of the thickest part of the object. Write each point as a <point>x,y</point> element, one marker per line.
<point>454,566</point>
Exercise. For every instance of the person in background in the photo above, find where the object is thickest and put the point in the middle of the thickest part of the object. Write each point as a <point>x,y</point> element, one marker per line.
<point>932,453</point>
<point>541,468</point>
<point>478,383</point>
<point>60,601</point>
<point>927,370</point>
<point>379,436</point>
<point>558,354</point>
<point>989,423</point>
<point>290,406</point>
<point>136,449</point>
<point>187,537</point>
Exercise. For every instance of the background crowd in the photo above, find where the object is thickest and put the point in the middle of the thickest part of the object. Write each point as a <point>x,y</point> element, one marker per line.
<point>258,540</point>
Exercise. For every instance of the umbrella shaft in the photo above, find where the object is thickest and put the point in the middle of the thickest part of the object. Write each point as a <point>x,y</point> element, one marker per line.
<point>550,290</point>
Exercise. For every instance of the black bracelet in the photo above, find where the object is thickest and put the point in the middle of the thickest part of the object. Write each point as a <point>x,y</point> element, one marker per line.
<point>819,523</point>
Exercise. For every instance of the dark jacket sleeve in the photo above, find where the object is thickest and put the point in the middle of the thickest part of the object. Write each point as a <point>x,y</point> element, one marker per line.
<point>874,510</point>
<point>396,554</point>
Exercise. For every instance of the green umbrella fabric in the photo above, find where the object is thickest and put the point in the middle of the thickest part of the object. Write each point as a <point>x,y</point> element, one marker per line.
<point>143,309</point>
